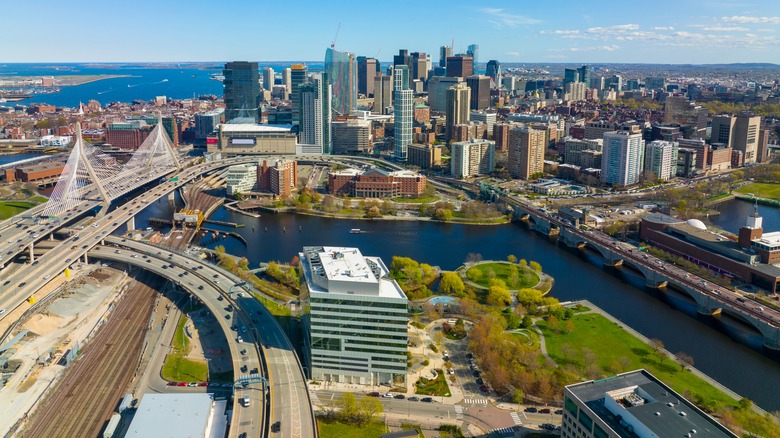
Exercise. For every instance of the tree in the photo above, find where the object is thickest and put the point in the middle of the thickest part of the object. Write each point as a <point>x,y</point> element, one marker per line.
<point>451,283</point>
<point>686,360</point>
<point>553,323</point>
<point>346,406</point>
<point>536,266</point>
<point>498,296</point>
<point>523,263</point>
<point>368,408</point>
<point>473,257</point>
<point>511,258</point>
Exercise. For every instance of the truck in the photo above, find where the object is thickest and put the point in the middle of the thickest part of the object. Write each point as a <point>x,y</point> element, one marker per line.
<point>244,401</point>
<point>112,426</point>
<point>127,400</point>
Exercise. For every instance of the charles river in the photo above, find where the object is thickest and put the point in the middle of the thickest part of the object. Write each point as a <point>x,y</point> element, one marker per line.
<point>724,348</point>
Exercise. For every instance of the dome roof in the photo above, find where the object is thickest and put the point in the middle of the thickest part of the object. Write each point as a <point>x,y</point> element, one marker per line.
<point>696,224</point>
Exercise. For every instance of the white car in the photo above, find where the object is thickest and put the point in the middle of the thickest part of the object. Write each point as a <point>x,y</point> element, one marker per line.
<point>388,395</point>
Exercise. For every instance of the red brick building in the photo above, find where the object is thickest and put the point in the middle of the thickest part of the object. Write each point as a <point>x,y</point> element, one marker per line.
<point>376,183</point>
<point>279,178</point>
<point>35,172</point>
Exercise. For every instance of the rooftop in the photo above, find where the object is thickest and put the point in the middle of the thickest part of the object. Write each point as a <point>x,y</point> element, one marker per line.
<point>172,415</point>
<point>637,399</point>
<point>246,127</point>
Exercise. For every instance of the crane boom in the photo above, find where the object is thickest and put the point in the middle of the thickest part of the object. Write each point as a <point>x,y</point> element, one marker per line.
<point>333,43</point>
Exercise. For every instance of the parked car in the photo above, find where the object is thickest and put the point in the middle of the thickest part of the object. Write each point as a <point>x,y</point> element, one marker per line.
<point>426,399</point>
<point>374,394</point>
<point>414,398</point>
<point>559,411</point>
<point>544,411</point>
<point>388,395</point>
<point>399,396</point>
<point>531,409</point>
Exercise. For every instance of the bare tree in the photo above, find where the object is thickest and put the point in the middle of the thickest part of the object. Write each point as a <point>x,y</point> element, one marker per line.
<point>685,360</point>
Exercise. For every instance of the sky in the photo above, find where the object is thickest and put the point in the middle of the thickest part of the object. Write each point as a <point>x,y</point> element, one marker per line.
<point>583,31</point>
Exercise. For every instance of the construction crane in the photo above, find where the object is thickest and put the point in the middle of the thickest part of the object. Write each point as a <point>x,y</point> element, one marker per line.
<point>333,43</point>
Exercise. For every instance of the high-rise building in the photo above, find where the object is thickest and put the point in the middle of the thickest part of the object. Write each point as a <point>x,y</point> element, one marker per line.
<point>744,136</point>
<point>458,103</point>
<point>366,73</point>
<point>633,404</point>
<point>437,92</point>
<point>493,70</point>
<point>570,75</point>
<point>351,137</point>
<point>722,127</point>
<point>268,78</point>
<point>242,90</point>
<point>622,158</point>
<point>356,315</point>
<point>661,159</point>
<point>655,83</point>
<point>501,135</point>
<point>460,66</point>
<point>488,118</point>
<point>315,114</point>
<point>424,156</point>
<point>287,81</point>
<point>471,158</point>
<point>692,117</point>
<point>480,91</point>
<point>299,75</point>
<point>574,151</point>
<point>583,75</point>
<point>383,93</point>
<point>206,123</point>
<point>403,112</point>
<point>574,91</point>
<point>342,76</point>
<point>444,53</point>
<point>526,152</point>
<point>762,155</point>
<point>419,62</point>
<point>473,51</point>
<point>279,178</point>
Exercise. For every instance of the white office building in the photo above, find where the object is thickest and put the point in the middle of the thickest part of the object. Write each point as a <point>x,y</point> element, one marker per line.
<point>315,101</point>
<point>355,321</point>
<point>661,159</point>
<point>241,178</point>
<point>623,158</point>
<point>403,104</point>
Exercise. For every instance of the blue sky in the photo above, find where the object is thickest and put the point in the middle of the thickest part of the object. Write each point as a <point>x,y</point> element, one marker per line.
<point>661,31</point>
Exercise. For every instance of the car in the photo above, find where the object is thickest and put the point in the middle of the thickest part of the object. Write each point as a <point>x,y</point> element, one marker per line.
<point>547,426</point>
<point>171,383</point>
<point>227,316</point>
<point>67,260</point>
<point>23,284</point>
<point>181,384</point>
<point>200,287</point>
<point>227,385</point>
<point>531,409</point>
<point>451,371</point>
<point>276,427</point>
<point>414,398</point>
<point>46,277</point>
<point>193,384</point>
<point>374,394</point>
<point>399,396</point>
<point>475,373</point>
<point>544,411</point>
<point>202,384</point>
<point>219,298</point>
<point>480,382</point>
<point>426,400</point>
<point>243,352</point>
<point>388,395</point>
<point>559,412</point>
<point>242,435</point>
<point>2,311</point>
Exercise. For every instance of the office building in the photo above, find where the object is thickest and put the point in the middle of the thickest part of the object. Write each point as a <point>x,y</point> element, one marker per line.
<point>367,70</point>
<point>355,322</point>
<point>458,104</point>
<point>268,78</point>
<point>493,70</point>
<point>526,152</point>
<point>206,123</point>
<point>241,178</point>
<point>247,139</point>
<point>242,90</point>
<point>383,93</point>
<point>686,162</point>
<point>437,92</point>
<point>762,155</point>
<point>744,136</point>
<point>299,75</point>
<point>622,158</point>
<point>351,137</point>
<point>473,51</point>
<point>444,53</point>
<point>419,64</point>
<point>582,152</point>
<point>315,116</point>
<point>489,119</point>
<point>583,75</point>
<point>722,128</point>
<point>597,129</point>
<point>472,158</point>
<point>403,103</point>
<point>341,68</point>
<point>280,178</point>
<point>287,81</point>
<point>633,404</point>
<point>376,183</point>
<point>692,117</point>
<point>480,91</point>
<point>719,158</point>
<point>661,159</point>
<point>424,156</point>
<point>461,66</point>
<point>570,75</point>
<point>655,83</point>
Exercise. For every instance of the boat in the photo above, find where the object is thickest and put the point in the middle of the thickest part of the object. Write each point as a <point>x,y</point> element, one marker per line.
<point>194,76</point>
<point>355,231</point>
<point>164,80</point>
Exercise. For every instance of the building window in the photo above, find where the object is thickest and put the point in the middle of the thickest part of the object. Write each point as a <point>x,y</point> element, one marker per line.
<point>571,407</point>
<point>599,432</point>
<point>586,421</point>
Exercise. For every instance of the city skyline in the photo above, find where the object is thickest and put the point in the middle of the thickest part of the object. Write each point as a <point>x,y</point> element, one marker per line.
<point>695,32</point>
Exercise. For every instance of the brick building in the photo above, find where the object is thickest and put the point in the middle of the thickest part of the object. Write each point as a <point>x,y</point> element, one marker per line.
<point>424,156</point>
<point>38,172</point>
<point>376,183</point>
<point>279,178</point>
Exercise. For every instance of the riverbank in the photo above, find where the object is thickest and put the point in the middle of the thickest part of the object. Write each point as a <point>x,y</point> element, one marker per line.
<point>61,80</point>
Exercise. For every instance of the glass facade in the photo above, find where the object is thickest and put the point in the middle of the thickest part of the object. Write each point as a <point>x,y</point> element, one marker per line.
<point>403,103</point>
<point>242,89</point>
<point>341,68</point>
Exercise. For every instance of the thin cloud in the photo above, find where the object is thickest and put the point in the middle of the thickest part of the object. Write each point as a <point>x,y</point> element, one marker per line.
<point>560,32</point>
<point>724,29</point>
<point>751,20</point>
<point>610,48</point>
<point>663,28</point>
<point>512,53</point>
<point>618,28</point>
<point>500,18</point>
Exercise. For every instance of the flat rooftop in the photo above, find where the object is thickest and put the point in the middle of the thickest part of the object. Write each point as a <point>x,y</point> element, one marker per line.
<point>653,404</point>
<point>335,269</point>
<point>346,264</point>
<point>250,128</point>
<point>175,416</point>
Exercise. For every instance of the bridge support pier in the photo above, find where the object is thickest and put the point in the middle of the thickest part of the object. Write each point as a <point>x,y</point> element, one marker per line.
<point>614,263</point>
<point>131,224</point>
<point>51,237</point>
<point>772,343</point>
<point>85,259</point>
<point>653,284</point>
<point>32,254</point>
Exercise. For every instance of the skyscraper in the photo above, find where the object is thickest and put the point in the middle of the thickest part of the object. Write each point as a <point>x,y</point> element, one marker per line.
<point>623,158</point>
<point>570,75</point>
<point>299,75</point>
<point>473,51</point>
<point>480,91</point>
<point>437,91</point>
<point>419,71</point>
<point>583,75</point>
<point>315,116</point>
<point>458,104</point>
<point>342,76</point>
<point>383,93</point>
<point>460,66</point>
<point>403,102</point>
<point>744,136</point>
<point>366,72</point>
<point>494,71</point>
<point>661,159</point>
<point>722,126</point>
<point>242,88</point>
<point>471,158</point>
<point>444,53</point>
<point>268,78</point>
<point>526,152</point>
<point>287,80</point>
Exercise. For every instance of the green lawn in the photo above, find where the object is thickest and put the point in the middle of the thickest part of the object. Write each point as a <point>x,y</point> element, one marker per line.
<point>12,208</point>
<point>334,429</point>
<point>420,200</point>
<point>177,368</point>
<point>528,278</point>
<point>614,346</point>
<point>437,386</point>
<point>761,190</point>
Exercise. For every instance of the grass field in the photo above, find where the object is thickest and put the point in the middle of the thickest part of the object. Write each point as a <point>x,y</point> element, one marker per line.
<point>177,368</point>
<point>12,208</point>
<point>614,346</point>
<point>528,278</point>
<point>437,386</point>
<point>334,429</point>
<point>761,190</point>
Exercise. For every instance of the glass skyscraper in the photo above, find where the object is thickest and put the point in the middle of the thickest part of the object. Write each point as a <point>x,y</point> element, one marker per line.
<point>315,116</point>
<point>473,51</point>
<point>242,88</point>
<point>341,68</point>
<point>298,76</point>
<point>403,103</point>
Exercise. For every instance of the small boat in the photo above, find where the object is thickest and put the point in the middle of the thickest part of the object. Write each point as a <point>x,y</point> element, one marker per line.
<point>164,80</point>
<point>355,231</point>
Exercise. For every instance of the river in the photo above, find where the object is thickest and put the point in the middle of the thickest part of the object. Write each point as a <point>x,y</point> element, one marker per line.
<point>722,348</point>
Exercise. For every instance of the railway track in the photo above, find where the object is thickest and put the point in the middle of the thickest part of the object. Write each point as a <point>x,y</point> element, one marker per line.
<point>81,402</point>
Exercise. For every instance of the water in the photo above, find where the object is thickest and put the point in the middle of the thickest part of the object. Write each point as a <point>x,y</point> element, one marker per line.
<point>733,214</point>
<point>444,301</point>
<point>723,348</point>
<point>6,159</point>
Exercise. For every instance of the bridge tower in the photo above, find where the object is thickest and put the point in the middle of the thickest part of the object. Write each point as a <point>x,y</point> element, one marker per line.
<point>156,154</point>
